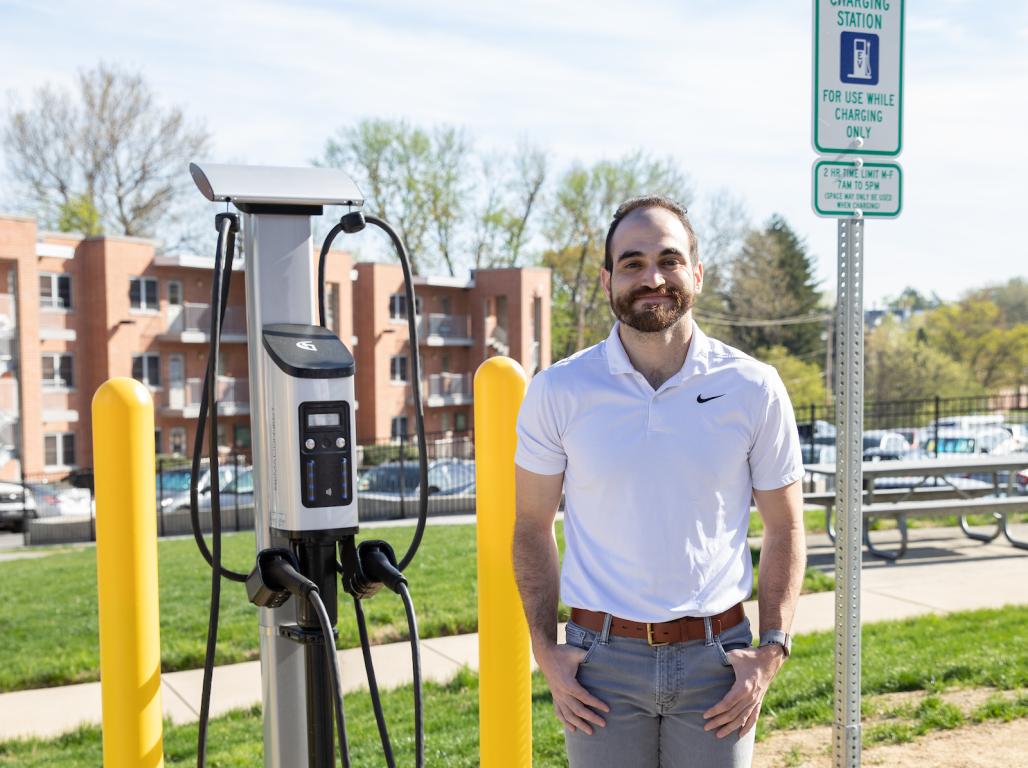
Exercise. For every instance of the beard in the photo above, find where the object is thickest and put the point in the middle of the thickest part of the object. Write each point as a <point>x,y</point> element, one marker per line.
<point>653,318</point>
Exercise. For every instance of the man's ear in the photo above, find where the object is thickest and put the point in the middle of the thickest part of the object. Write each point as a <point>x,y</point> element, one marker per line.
<point>697,274</point>
<point>605,281</point>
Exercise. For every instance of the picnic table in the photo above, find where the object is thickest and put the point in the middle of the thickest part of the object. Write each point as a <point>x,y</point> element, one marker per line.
<point>936,487</point>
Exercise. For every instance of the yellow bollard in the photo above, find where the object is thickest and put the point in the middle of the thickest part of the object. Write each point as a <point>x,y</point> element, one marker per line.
<point>505,681</point>
<point>126,574</point>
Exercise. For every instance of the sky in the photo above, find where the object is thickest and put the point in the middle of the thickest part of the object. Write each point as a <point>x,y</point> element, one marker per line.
<point>722,87</point>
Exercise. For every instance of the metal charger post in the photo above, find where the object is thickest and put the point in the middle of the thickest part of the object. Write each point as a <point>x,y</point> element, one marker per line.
<point>302,427</point>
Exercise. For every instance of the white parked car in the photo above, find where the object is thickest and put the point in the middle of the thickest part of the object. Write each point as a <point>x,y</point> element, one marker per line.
<point>16,504</point>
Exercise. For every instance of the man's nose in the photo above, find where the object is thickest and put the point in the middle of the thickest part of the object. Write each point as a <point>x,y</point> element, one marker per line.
<point>653,277</point>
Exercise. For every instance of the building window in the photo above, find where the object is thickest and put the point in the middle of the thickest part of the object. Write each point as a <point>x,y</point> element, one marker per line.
<point>54,291</point>
<point>446,305</point>
<point>398,428</point>
<point>461,421</point>
<point>59,449</point>
<point>398,368</point>
<point>444,422</point>
<point>143,293</point>
<point>57,371</point>
<point>177,441</point>
<point>147,369</point>
<point>157,435</point>
<point>174,292</point>
<point>241,437</point>
<point>398,306</point>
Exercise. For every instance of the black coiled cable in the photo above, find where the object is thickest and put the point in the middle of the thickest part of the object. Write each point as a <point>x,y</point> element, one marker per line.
<point>353,222</point>
<point>222,279</point>
<point>228,225</point>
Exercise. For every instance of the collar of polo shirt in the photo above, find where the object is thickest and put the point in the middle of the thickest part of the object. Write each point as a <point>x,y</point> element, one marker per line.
<point>696,360</point>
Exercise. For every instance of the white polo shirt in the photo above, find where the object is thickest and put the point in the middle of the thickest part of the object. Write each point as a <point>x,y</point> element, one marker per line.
<point>657,484</point>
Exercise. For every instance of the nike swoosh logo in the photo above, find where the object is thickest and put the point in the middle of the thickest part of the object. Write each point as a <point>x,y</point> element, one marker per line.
<point>702,399</point>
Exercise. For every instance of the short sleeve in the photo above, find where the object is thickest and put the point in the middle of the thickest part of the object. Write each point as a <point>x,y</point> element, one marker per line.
<point>540,449</point>
<point>775,456</point>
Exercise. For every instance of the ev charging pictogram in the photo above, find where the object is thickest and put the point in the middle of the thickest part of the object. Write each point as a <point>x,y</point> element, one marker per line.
<point>858,58</point>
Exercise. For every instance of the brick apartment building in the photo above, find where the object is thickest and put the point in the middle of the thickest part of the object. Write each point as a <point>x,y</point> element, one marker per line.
<point>77,311</point>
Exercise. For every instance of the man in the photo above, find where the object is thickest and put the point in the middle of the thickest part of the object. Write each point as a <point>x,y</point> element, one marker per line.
<point>659,436</point>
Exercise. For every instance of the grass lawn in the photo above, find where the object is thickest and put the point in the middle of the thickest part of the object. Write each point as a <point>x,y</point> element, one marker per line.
<point>975,649</point>
<point>55,597</point>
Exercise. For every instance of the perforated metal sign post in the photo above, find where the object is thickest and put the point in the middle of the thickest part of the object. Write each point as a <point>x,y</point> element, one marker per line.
<point>849,416</point>
<point>858,77</point>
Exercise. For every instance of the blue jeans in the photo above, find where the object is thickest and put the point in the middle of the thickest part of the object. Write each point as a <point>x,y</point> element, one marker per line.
<point>657,696</point>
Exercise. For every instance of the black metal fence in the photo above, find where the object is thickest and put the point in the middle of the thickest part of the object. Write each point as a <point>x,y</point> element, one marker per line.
<point>925,428</point>
<point>50,511</point>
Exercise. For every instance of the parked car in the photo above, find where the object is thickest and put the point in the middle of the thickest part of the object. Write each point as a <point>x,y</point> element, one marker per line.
<point>180,478</point>
<point>16,504</point>
<point>913,435</point>
<point>60,499</point>
<point>819,432</point>
<point>882,443</point>
<point>961,441</point>
<point>818,453</point>
<point>234,492</point>
<point>451,489</point>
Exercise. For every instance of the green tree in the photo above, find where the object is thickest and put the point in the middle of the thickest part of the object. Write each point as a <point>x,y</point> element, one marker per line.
<point>108,151</point>
<point>900,365</point>
<point>79,215</point>
<point>721,230</point>
<point>511,193</point>
<point>1011,298</point>
<point>576,223</point>
<point>913,300</point>
<point>803,380</point>
<point>773,295</point>
<point>973,334</point>
<point>417,179</point>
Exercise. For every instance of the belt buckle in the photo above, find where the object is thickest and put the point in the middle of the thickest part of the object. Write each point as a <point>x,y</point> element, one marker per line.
<point>649,636</point>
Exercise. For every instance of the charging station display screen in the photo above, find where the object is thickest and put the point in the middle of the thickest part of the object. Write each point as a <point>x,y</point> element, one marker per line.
<point>322,420</point>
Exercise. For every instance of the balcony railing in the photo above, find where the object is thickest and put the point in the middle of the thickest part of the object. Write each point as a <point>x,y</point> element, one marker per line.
<point>498,340</point>
<point>438,330</point>
<point>446,389</point>
<point>233,397</point>
<point>194,320</point>
<point>8,317</point>
<point>59,405</point>
<point>8,395</point>
<point>57,325</point>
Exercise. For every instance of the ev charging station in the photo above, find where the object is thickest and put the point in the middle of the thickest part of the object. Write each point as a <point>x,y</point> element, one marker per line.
<point>302,432</point>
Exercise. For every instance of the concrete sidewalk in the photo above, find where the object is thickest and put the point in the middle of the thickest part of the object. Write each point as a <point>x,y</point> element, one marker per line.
<point>943,571</point>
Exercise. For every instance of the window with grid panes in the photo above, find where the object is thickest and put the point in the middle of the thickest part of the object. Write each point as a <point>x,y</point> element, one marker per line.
<point>147,368</point>
<point>57,371</point>
<point>398,368</point>
<point>59,449</point>
<point>143,293</point>
<point>54,291</point>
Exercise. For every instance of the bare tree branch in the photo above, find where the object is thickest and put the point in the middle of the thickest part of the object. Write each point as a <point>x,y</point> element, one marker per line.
<point>109,146</point>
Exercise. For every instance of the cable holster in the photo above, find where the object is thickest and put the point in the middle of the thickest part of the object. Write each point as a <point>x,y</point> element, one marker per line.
<point>368,567</point>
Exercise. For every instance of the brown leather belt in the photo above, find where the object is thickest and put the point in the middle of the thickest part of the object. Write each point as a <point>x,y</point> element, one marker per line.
<point>678,631</point>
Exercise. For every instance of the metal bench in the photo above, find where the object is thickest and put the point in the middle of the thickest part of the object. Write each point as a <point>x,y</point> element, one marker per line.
<point>999,507</point>
<point>827,500</point>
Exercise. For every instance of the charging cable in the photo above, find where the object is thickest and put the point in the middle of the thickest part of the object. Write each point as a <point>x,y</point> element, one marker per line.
<point>272,580</point>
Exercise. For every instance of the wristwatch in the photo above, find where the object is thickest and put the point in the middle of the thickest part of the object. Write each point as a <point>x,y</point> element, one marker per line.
<point>777,637</point>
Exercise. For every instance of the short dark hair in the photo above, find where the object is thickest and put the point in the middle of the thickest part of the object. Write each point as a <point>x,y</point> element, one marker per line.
<point>651,201</point>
